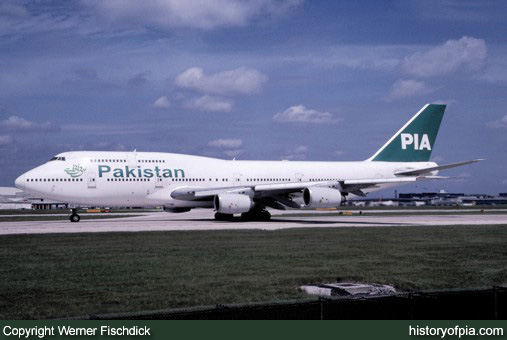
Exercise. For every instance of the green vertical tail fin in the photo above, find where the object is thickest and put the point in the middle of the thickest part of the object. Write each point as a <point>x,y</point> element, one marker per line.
<point>414,141</point>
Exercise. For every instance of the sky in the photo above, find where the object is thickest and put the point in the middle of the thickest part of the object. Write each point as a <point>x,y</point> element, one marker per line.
<point>254,79</point>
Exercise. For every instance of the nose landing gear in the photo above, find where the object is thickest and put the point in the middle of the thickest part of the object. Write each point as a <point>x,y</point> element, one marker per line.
<point>74,217</point>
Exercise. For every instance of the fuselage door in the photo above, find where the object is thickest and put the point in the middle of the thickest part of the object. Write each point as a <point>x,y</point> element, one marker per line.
<point>92,180</point>
<point>300,177</point>
<point>159,183</point>
<point>237,179</point>
<point>131,160</point>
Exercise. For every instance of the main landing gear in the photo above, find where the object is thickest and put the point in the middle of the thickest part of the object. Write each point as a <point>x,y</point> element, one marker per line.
<point>74,217</point>
<point>252,215</point>
<point>256,215</point>
<point>224,217</point>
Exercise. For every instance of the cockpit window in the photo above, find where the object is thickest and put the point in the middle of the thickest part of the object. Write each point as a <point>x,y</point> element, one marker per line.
<point>57,159</point>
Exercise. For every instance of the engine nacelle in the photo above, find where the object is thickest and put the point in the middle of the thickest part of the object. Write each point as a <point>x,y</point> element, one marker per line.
<point>319,197</point>
<point>232,203</point>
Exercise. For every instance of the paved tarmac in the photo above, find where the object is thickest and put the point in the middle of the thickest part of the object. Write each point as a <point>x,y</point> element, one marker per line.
<point>203,220</point>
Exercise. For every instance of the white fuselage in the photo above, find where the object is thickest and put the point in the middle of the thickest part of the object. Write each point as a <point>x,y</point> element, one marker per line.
<point>141,179</point>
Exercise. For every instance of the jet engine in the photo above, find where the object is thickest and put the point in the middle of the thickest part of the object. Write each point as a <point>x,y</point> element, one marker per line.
<point>232,203</point>
<point>319,197</point>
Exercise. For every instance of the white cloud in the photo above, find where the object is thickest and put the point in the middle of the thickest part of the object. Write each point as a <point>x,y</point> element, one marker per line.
<point>226,143</point>
<point>162,103</point>
<point>232,82</point>
<point>496,70</point>
<point>301,114</point>
<point>200,14</point>
<point>5,140</point>
<point>298,153</point>
<point>501,123</point>
<point>210,103</point>
<point>407,88</point>
<point>467,54</point>
<point>18,124</point>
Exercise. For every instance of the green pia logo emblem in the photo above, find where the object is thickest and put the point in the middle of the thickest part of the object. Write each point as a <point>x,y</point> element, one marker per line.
<point>418,143</point>
<point>76,171</point>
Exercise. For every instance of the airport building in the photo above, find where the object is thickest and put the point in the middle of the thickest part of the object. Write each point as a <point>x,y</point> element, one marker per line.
<point>440,198</point>
<point>14,198</point>
<point>448,199</point>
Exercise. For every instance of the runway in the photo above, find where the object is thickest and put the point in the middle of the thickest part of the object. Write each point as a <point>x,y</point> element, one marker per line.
<point>203,220</point>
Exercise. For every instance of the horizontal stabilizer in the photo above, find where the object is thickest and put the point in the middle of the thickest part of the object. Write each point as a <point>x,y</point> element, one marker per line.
<point>433,177</point>
<point>419,172</point>
<point>374,181</point>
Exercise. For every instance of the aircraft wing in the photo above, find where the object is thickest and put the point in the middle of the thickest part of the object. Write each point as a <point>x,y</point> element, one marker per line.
<point>278,195</point>
<point>261,190</point>
<point>198,193</point>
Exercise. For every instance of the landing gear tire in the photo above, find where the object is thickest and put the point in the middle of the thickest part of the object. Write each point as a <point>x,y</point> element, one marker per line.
<point>262,215</point>
<point>74,218</point>
<point>265,215</point>
<point>223,217</point>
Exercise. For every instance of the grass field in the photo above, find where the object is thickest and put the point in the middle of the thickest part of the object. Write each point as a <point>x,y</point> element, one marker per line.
<point>61,275</point>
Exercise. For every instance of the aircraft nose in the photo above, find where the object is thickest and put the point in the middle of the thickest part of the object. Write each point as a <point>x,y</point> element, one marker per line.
<point>20,182</point>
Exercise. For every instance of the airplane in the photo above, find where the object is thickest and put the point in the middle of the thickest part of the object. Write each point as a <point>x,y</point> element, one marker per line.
<point>180,182</point>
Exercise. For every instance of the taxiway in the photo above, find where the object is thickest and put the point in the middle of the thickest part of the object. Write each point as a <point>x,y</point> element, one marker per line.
<point>203,220</point>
